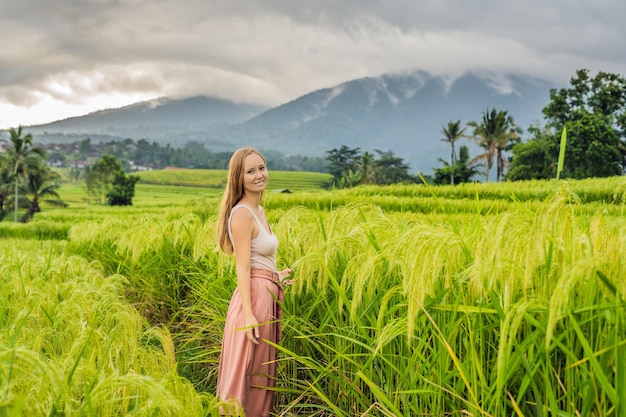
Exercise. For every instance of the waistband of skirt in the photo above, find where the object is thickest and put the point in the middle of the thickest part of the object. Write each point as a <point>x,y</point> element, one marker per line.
<point>265,274</point>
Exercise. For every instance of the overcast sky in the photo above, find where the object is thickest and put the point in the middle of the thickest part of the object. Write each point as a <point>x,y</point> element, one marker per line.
<point>62,58</point>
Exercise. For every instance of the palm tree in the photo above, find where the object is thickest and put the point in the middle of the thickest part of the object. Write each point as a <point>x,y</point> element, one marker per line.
<point>21,157</point>
<point>508,136</point>
<point>496,134</point>
<point>464,171</point>
<point>367,168</point>
<point>5,181</point>
<point>484,135</point>
<point>451,133</point>
<point>40,184</point>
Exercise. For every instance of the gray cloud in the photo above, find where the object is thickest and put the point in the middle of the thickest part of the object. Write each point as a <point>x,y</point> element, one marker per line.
<point>272,51</point>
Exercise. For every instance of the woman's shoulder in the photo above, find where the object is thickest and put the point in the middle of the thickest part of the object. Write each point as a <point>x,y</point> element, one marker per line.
<point>241,222</point>
<point>241,215</point>
<point>248,209</point>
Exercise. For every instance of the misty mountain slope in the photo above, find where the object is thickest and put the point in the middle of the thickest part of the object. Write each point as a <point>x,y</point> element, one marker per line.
<point>401,113</point>
<point>176,121</point>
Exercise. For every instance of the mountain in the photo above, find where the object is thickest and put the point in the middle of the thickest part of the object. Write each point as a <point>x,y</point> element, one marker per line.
<point>403,113</point>
<point>162,120</point>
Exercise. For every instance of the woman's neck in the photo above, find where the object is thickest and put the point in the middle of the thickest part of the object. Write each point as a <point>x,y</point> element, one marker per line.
<point>253,200</point>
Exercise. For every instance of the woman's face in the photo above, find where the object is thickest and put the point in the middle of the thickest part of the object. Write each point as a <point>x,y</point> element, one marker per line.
<point>255,174</point>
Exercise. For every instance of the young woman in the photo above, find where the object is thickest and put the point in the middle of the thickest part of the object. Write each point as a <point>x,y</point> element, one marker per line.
<point>247,369</point>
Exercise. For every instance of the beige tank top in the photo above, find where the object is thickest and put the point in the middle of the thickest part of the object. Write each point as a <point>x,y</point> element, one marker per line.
<point>263,246</point>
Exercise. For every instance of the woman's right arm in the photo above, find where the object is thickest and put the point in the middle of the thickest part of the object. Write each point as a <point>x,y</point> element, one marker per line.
<point>242,227</point>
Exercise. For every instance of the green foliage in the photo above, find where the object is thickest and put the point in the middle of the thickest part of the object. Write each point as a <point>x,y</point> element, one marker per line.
<point>6,181</point>
<point>592,148</point>
<point>85,147</point>
<point>107,179</point>
<point>47,229</point>
<point>497,299</point>
<point>594,111</point>
<point>451,134</point>
<point>503,304</point>
<point>141,155</point>
<point>460,173</point>
<point>101,176</point>
<point>535,159</point>
<point>390,169</point>
<point>496,133</point>
<point>122,190</point>
<point>71,345</point>
<point>349,167</point>
<point>17,162</point>
<point>341,161</point>
<point>40,185</point>
<point>602,95</point>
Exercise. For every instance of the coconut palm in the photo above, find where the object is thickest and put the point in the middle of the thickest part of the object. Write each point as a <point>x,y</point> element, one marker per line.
<point>40,185</point>
<point>484,134</point>
<point>21,157</point>
<point>496,133</point>
<point>508,136</point>
<point>451,133</point>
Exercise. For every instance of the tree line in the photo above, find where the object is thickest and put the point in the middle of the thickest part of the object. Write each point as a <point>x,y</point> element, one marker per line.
<point>592,109</point>
<point>27,180</point>
<point>142,154</point>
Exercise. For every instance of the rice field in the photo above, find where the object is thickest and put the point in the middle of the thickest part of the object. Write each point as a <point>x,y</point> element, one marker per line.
<point>207,178</point>
<point>408,300</point>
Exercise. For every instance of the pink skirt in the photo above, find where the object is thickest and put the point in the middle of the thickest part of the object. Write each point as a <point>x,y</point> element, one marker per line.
<point>247,372</point>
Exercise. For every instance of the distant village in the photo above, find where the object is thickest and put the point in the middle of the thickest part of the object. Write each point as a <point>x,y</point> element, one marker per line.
<point>143,155</point>
<point>79,155</point>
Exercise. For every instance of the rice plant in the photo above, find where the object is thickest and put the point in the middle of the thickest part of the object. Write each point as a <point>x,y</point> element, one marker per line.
<point>518,312</point>
<point>71,345</point>
<point>487,299</point>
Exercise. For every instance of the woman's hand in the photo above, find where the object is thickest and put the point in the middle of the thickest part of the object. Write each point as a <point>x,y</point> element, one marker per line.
<point>252,330</point>
<point>282,275</point>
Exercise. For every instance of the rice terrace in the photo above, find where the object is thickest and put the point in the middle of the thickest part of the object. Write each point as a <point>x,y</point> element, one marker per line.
<point>492,299</point>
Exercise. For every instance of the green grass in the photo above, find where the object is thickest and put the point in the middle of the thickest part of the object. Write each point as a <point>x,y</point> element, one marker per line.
<point>71,345</point>
<point>279,180</point>
<point>75,194</point>
<point>485,299</point>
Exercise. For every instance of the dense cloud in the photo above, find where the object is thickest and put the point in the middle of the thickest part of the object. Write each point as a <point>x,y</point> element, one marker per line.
<point>83,53</point>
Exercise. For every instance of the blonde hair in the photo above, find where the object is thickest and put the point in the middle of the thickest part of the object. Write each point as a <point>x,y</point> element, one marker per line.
<point>233,193</point>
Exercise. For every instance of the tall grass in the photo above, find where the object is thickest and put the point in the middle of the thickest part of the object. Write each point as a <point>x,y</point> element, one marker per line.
<point>486,199</point>
<point>602,190</point>
<point>167,260</point>
<point>41,230</point>
<point>71,345</point>
<point>503,315</point>
<point>496,300</point>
